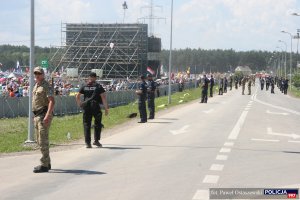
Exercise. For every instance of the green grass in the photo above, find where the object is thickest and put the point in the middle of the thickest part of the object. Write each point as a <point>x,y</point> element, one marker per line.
<point>295,92</point>
<point>13,132</point>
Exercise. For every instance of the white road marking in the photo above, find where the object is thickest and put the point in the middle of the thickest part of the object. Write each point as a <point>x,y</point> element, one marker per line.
<point>221,157</point>
<point>211,179</point>
<point>180,131</point>
<point>237,128</point>
<point>225,150</point>
<point>264,140</point>
<point>216,167</point>
<point>208,111</point>
<point>229,144</point>
<point>276,113</point>
<point>294,141</point>
<point>292,135</point>
<point>277,107</point>
<point>201,195</point>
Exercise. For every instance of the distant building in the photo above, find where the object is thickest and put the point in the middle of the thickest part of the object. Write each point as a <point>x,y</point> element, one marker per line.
<point>245,70</point>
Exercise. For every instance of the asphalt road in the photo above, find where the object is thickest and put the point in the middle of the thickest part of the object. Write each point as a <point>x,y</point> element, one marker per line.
<point>233,141</point>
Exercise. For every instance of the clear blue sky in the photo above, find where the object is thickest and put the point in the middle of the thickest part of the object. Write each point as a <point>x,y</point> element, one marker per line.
<point>208,24</point>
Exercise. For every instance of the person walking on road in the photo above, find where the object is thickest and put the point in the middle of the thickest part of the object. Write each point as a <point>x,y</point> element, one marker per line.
<point>262,83</point>
<point>94,96</point>
<point>42,107</point>
<point>142,94</point>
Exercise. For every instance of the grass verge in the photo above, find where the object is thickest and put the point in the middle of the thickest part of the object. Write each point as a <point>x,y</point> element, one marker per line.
<point>295,92</point>
<point>13,132</point>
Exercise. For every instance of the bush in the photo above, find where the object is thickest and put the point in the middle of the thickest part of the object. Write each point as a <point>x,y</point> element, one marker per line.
<point>296,80</point>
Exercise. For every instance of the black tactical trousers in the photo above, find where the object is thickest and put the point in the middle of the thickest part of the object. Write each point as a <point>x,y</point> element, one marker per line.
<point>204,95</point>
<point>211,91</point>
<point>151,108</point>
<point>142,110</point>
<point>88,114</point>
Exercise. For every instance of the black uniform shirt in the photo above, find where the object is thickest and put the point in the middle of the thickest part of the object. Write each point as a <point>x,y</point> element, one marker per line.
<point>151,89</point>
<point>143,88</point>
<point>88,90</point>
<point>212,82</point>
<point>205,83</point>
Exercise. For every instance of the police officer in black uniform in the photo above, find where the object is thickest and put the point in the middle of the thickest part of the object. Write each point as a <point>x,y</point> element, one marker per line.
<point>230,82</point>
<point>142,94</point>
<point>272,85</point>
<point>94,95</point>
<point>225,85</point>
<point>212,84</point>
<point>204,89</point>
<point>151,96</point>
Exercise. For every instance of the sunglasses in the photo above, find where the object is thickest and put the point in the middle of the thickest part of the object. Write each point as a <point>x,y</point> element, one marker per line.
<point>37,73</point>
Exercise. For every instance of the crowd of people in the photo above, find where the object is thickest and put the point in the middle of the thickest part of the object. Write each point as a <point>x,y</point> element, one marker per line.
<point>16,85</point>
<point>271,81</point>
<point>225,82</point>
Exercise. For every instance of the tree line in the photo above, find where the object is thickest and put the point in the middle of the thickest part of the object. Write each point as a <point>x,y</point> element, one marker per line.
<point>220,60</point>
<point>197,59</point>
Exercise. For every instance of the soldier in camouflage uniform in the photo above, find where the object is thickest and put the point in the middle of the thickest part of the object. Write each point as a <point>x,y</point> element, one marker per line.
<point>249,85</point>
<point>244,80</point>
<point>42,107</point>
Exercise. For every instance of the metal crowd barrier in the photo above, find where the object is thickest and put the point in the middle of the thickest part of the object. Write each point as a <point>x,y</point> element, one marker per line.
<point>66,105</point>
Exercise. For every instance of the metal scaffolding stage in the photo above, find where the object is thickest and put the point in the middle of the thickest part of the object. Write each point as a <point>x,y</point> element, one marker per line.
<point>118,50</point>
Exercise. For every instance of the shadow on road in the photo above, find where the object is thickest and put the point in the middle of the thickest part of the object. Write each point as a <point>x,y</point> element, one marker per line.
<point>168,118</point>
<point>75,172</point>
<point>295,152</point>
<point>120,148</point>
<point>159,122</point>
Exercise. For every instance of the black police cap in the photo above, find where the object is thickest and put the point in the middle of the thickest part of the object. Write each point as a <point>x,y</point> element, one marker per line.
<point>93,74</point>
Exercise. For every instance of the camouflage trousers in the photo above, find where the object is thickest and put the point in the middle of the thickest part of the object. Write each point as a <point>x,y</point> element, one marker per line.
<point>42,138</point>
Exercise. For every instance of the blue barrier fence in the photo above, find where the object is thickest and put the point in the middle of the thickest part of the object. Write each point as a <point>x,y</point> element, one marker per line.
<point>66,105</point>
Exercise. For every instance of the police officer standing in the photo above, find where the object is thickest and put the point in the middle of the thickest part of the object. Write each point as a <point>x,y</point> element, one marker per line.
<point>244,80</point>
<point>212,84</point>
<point>230,82</point>
<point>204,89</point>
<point>225,85</point>
<point>42,107</point>
<point>142,94</point>
<point>94,96</point>
<point>221,84</point>
<point>272,85</point>
<point>285,86</point>
<point>151,96</point>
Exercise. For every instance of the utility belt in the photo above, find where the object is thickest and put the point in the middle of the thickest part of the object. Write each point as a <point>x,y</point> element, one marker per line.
<point>90,104</point>
<point>42,111</point>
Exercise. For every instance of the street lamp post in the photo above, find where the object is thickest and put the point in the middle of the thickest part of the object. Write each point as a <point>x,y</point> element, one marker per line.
<point>291,55</point>
<point>170,56</point>
<point>280,60</point>
<point>284,56</point>
<point>30,138</point>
